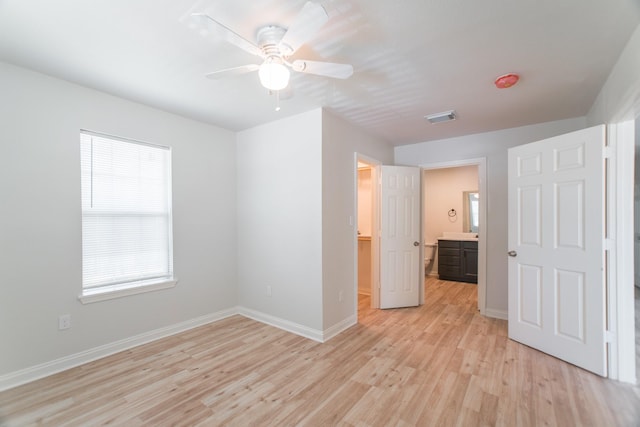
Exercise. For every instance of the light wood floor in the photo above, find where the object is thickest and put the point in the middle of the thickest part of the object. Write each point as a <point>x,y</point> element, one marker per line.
<point>439,364</point>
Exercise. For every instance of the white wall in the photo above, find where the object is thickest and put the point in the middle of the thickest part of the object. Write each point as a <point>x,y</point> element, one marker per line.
<point>296,194</point>
<point>280,219</point>
<point>493,146</point>
<point>443,190</point>
<point>619,98</point>
<point>340,142</point>
<point>40,219</point>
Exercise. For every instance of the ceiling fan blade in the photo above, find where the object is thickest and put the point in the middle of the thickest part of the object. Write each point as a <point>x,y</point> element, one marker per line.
<point>232,72</point>
<point>210,25</point>
<point>328,69</point>
<point>310,19</point>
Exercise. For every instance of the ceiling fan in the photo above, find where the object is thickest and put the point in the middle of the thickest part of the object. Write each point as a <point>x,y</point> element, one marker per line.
<point>275,45</point>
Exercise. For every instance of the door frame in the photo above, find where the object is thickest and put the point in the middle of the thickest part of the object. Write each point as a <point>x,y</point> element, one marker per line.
<point>620,115</point>
<point>481,163</point>
<point>620,242</point>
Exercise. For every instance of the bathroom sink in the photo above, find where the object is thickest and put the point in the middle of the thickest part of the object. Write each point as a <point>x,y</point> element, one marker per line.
<point>450,235</point>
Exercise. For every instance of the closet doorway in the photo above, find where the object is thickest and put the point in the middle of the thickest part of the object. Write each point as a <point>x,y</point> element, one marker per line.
<point>367,218</point>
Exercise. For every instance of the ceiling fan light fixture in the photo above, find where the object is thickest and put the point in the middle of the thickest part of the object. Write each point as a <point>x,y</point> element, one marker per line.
<point>274,75</point>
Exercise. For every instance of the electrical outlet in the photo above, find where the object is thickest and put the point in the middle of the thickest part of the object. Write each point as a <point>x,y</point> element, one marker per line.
<point>268,290</point>
<point>340,296</point>
<point>64,321</point>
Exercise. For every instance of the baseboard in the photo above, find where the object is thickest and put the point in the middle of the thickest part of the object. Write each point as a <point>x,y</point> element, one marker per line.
<point>497,314</point>
<point>33,373</point>
<point>296,328</point>
<point>286,325</point>
<point>42,370</point>
<point>339,327</point>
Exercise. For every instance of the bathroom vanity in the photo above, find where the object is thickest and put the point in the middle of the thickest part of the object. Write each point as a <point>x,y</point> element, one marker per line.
<point>458,260</point>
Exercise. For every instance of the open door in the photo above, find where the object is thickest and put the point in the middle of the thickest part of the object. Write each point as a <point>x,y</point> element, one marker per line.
<point>400,236</point>
<point>556,247</point>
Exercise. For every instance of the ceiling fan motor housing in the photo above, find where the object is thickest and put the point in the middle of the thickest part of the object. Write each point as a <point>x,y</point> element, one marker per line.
<point>269,38</point>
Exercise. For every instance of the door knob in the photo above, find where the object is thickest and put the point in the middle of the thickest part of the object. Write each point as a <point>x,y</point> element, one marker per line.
<point>512,253</point>
<point>416,243</point>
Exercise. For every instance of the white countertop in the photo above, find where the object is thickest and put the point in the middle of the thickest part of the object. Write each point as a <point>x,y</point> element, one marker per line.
<point>467,239</point>
<point>449,235</point>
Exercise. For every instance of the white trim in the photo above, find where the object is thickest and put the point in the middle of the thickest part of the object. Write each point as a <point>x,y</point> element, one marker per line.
<point>611,247</point>
<point>481,163</point>
<point>339,327</point>
<point>23,376</point>
<point>496,314</point>
<point>123,139</point>
<point>620,182</point>
<point>286,325</point>
<point>111,292</point>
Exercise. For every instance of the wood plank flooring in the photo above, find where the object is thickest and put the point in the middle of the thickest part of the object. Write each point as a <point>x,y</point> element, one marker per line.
<point>441,364</point>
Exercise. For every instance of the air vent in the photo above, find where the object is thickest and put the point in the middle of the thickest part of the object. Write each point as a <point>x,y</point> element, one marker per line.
<point>445,116</point>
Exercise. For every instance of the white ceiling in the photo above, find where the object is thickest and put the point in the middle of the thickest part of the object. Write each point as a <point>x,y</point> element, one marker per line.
<point>411,58</point>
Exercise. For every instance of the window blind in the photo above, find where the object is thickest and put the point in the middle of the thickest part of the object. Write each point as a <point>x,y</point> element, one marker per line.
<point>126,212</point>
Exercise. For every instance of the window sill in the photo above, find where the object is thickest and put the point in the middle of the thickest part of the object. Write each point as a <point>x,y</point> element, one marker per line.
<point>119,291</point>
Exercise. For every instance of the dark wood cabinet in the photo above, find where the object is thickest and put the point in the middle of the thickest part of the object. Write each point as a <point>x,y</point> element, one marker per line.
<point>458,260</point>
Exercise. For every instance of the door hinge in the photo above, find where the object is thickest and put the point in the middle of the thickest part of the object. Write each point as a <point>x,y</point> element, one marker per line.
<point>608,244</point>
<point>609,337</point>
<point>608,152</point>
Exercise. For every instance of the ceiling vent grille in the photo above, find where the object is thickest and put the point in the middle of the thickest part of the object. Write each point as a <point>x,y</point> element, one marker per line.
<point>445,116</point>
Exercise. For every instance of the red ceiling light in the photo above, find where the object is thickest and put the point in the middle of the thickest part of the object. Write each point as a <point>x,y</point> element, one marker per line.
<point>506,81</point>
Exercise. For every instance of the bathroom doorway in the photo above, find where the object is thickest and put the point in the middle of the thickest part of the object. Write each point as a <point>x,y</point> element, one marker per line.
<point>454,199</point>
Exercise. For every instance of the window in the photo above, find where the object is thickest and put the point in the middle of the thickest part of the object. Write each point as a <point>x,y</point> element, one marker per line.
<point>126,217</point>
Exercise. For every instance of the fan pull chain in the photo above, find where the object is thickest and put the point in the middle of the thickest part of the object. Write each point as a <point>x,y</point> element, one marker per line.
<point>277,93</point>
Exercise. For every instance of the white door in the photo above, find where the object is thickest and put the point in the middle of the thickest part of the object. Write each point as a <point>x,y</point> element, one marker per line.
<point>556,247</point>
<point>400,253</point>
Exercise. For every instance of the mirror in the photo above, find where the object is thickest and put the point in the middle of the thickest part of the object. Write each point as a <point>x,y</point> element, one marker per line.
<point>470,203</point>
